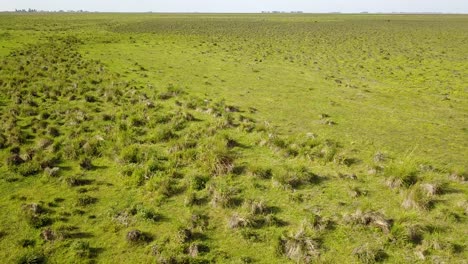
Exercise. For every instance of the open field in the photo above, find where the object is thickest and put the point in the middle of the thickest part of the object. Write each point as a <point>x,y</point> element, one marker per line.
<point>157,138</point>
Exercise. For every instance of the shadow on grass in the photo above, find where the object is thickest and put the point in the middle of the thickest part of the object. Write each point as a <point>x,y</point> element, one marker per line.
<point>78,235</point>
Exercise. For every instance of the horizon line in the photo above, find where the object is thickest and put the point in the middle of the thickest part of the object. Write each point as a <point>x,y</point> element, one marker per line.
<point>265,12</point>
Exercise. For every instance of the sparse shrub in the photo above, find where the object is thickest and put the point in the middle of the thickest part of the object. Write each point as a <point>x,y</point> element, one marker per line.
<point>223,197</point>
<point>81,249</point>
<point>3,141</point>
<point>138,174</point>
<point>256,207</point>
<point>238,221</point>
<point>149,214</point>
<point>368,254</point>
<point>167,188</point>
<point>183,145</point>
<point>52,172</point>
<point>137,121</point>
<point>341,159</point>
<point>86,200</point>
<point>199,221</point>
<point>44,143</point>
<point>86,164</point>
<point>432,189</point>
<point>246,260</point>
<point>162,118</point>
<point>136,237</point>
<point>53,131</point>
<point>196,249</point>
<point>48,234</point>
<point>401,174</point>
<point>124,218</point>
<point>29,168</point>
<point>74,181</point>
<point>171,92</point>
<point>272,220</point>
<point>355,192</point>
<point>216,157</point>
<point>348,176</point>
<point>409,233</point>
<point>193,250</point>
<point>415,233</point>
<point>459,176</point>
<point>47,160</point>
<point>92,147</point>
<point>108,117</point>
<point>276,142</point>
<point>180,119</point>
<point>90,98</point>
<point>130,154</point>
<point>183,235</point>
<point>42,124</point>
<point>314,149</point>
<point>15,150</point>
<point>260,171</point>
<point>380,157</point>
<point>33,208</point>
<point>16,136</point>
<point>294,177</point>
<point>15,160</point>
<point>38,221</point>
<point>27,243</point>
<point>317,222</point>
<point>163,134</point>
<point>418,198</point>
<point>370,218</point>
<point>154,165</point>
<point>72,149</point>
<point>32,257</point>
<point>190,199</point>
<point>250,235</point>
<point>299,247</point>
<point>198,182</point>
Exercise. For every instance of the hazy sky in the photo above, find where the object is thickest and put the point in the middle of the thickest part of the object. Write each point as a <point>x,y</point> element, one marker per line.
<point>452,6</point>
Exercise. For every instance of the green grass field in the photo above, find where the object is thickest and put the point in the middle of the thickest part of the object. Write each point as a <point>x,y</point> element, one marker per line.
<point>209,138</point>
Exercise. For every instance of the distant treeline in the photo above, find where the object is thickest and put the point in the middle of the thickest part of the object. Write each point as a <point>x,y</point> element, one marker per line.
<point>279,12</point>
<point>30,10</point>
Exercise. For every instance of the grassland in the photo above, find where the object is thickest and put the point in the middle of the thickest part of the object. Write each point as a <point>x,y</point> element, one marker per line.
<point>151,138</point>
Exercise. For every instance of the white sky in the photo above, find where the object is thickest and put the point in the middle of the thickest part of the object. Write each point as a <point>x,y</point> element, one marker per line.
<point>241,6</point>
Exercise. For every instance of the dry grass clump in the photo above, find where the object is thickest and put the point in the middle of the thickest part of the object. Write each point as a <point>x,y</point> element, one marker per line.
<point>223,197</point>
<point>49,235</point>
<point>216,157</point>
<point>401,174</point>
<point>294,177</point>
<point>370,218</point>
<point>259,171</point>
<point>299,247</point>
<point>368,254</point>
<point>32,257</point>
<point>255,207</point>
<point>36,215</point>
<point>459,176</point>
<point>380,157</point>
<point>238,221</point>
<point>318,223</point>
<point>420,197</point>
<point>256,215</point>
<point>86,200</point>
<point>171,92</point>
<point>136,237</point>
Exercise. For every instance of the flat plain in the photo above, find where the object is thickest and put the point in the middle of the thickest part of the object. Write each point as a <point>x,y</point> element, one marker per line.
<point>229,138</point>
